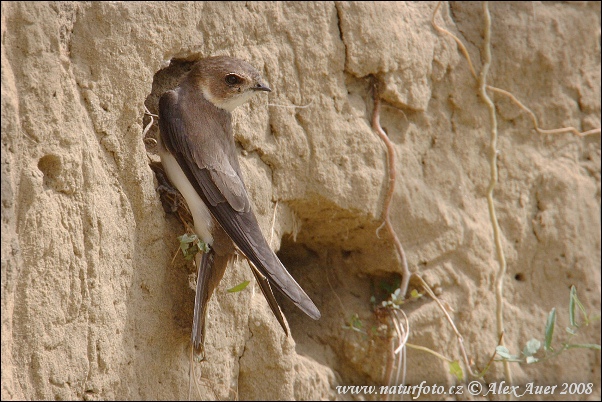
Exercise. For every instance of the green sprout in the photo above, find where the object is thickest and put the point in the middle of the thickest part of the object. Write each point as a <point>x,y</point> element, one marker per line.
<point>190,245</point>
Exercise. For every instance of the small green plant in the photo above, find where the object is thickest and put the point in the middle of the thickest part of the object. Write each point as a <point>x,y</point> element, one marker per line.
<point>190,244</point>
<point>533,352</point>
<point>396,299</point>
<point>355,323</point>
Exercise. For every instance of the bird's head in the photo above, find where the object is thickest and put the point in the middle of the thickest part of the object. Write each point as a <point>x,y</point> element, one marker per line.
<point>227,82</point>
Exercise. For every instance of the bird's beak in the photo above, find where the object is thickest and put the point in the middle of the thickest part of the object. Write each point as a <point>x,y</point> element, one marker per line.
<point>261,87</point>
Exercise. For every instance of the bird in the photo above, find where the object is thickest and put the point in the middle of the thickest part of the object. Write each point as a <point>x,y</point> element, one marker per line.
<point>198,153</point>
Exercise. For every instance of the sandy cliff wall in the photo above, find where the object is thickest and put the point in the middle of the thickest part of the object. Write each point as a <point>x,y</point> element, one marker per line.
<point>94,306</point>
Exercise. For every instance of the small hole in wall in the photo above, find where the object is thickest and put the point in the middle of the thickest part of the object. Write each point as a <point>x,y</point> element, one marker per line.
<point>520,277</point>
<point>50,166</point>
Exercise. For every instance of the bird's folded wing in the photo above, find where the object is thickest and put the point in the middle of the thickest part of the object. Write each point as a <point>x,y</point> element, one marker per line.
<point>223,191</point>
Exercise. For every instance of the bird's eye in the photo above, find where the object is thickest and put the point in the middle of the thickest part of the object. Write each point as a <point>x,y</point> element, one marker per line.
<point>233,79</point>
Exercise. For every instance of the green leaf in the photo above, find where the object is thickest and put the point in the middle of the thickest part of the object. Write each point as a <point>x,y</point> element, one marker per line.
<point>585,317</point>
<point>193,251</point>
<point>531,347</point>
<point>238,287</point>
<point>574,301</point>
<point>503,352</point>
<point>187,238</point>
<point>395,295</point>
<point>582,346</point>
<point>187,245</point>
<point>356,322</point>
<point>572,306</point>
<point>204,247</point>
<point>184,247</point>
<point>550,329</point>
<point>571,330</point>
<point>414,294</point>
<point>455,369</point>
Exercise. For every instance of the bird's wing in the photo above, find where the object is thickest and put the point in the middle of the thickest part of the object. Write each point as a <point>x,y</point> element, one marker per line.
<point>216,180</point>
<point>266,289</point>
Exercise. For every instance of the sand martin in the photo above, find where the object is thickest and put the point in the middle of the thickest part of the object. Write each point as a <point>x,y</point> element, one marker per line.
<point>198,153</point>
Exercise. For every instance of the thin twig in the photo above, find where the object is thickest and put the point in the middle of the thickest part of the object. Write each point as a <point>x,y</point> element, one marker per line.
<point>192,378</point>
<point>396,356</point>
<point>398,351</point>
<point>499,280</point>
<point>392,361</point>
<point>506,93</point>
<point>401,349</point>
<point>458,41</point>
<point>491,359</point>
<point>534,119</point>
<point>149,125</point>
<point>428,290</point>
<point>175,254</point>
<point>337,296</point>
<point>403,332</point>
<point>405,280</point>
<point>427,350</point>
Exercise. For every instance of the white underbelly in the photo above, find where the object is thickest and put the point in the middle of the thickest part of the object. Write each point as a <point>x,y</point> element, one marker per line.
<point>203,221</point>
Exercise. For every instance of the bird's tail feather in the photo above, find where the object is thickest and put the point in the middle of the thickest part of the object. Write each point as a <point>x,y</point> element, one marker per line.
<point>210,273</point>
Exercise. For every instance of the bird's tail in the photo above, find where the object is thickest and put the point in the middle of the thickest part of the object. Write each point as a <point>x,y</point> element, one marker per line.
<point>210,273</point>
